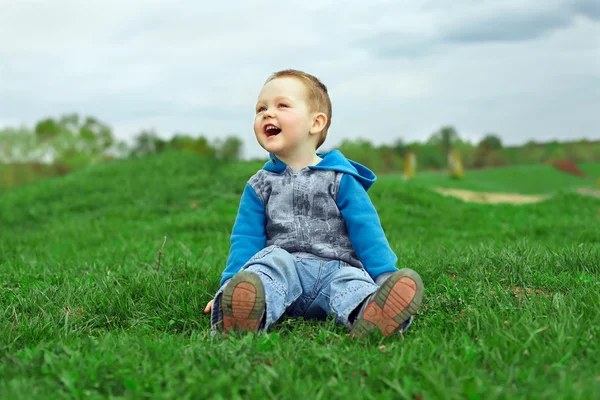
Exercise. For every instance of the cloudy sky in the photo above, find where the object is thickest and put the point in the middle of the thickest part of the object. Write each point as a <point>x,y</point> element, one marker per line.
<point>524,69</point>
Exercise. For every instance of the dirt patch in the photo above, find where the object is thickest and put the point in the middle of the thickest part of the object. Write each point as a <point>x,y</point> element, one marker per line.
<point>589,192</point>
<point>492,198</point>
<point>519,292</point>
<point>569,167</point>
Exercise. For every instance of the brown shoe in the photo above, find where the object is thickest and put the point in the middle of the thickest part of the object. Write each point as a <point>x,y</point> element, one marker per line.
<point>392,304</point>
<point>243,303</point>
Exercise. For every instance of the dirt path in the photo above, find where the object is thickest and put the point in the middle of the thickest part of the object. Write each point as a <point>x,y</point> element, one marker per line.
<point>492,198</point>
<point>589,192</point>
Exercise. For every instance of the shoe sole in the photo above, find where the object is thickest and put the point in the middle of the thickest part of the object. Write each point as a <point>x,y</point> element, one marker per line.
<point>243,303</point>
<point>394,302</point>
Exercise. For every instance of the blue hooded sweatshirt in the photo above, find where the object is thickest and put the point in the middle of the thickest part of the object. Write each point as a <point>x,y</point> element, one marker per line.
<point>321,211</point>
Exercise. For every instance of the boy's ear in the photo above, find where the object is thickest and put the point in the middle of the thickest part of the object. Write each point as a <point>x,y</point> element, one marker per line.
<point>319,123</point>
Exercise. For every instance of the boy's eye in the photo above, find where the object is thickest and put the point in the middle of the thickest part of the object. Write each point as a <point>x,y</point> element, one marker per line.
<point>282,105</point>
<point>261,109</point>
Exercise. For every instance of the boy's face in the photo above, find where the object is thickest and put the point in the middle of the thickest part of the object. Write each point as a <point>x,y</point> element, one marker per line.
<point>283,119</point>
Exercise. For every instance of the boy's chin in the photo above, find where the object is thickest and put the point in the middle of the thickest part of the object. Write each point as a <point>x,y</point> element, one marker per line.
<point>272,148</point>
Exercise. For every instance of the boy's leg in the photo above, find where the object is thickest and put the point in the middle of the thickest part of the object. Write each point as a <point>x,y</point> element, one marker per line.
<point>271,271</point>
<point>392,306</point>
<point>343,290</point>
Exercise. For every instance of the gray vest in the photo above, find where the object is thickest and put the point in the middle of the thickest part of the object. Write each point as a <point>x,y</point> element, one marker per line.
<point>302,216</point>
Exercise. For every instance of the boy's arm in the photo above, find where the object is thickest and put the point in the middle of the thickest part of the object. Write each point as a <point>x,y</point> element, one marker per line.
<point>248,236</point>
<point>364,228</point>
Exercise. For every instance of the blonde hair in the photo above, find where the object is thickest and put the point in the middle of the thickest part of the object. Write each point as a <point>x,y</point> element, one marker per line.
<point>318,98</point>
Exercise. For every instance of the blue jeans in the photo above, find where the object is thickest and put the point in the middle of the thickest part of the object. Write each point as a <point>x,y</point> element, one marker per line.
<point>305,287</point>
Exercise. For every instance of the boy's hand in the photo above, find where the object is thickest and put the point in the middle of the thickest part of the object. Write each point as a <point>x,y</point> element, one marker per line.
<point>208,307</point>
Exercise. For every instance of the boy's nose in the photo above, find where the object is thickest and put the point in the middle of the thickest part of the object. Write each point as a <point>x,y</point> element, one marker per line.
<point>269,112</point>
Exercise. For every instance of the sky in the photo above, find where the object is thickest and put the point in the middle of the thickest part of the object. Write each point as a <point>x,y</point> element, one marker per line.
<point>400,69</point>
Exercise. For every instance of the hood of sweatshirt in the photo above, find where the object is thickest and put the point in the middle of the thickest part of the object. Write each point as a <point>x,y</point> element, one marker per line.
<point>334,161</point>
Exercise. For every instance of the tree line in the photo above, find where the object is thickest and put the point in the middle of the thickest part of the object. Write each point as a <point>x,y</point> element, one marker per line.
<point>73,142</point>
<point>59,145</point>
<point>488,152</point>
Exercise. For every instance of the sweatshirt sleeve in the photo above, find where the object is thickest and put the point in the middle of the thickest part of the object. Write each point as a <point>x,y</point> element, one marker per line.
<point>248,236</point>
<point>364,228</point>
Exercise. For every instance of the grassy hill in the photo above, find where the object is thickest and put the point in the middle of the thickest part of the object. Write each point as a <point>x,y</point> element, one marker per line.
<point>511,308</point>
<point>529,179</point>
<point>592,169</point>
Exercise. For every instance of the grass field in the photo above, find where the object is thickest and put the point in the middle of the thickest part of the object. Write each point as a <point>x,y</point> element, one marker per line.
<point>511,307</point>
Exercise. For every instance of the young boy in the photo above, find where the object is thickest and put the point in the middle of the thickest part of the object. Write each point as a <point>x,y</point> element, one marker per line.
<point>307,241</point>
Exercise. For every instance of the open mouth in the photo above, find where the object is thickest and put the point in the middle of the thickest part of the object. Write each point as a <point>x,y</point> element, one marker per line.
<point>272,130</point>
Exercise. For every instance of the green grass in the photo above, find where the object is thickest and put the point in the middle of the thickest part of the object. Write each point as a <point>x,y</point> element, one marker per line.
<point>511,307</point>
<point>592,169</point>
<point>530,179</point>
